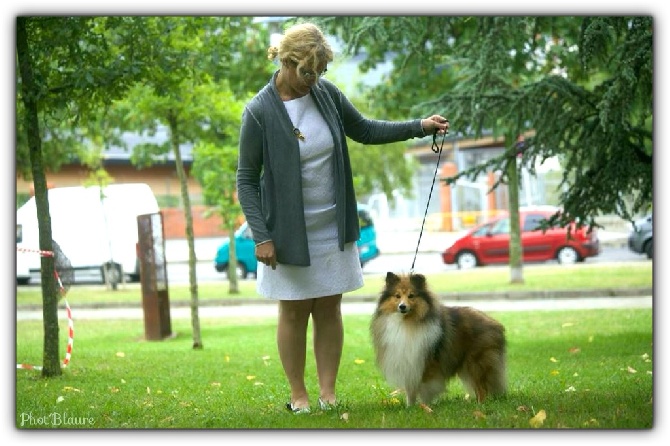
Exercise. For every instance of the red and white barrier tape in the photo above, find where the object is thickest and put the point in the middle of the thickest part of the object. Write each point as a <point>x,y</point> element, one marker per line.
<point>36,251</point>
<point>70,342</point>
<point>70,322</point>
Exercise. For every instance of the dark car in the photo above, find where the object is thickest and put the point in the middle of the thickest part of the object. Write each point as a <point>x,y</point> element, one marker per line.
<point>488,243</point>
<point>246,255</point>
<point>641,237</point>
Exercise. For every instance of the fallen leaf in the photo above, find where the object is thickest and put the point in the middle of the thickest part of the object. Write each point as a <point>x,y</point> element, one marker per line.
<point>115,389</point>
<point>120,354</point>
<point>396,392</point>
<point>592,422</point>
<point>571,389</point>
<point>574,350</point>
<point>552,359</point>
<point>250,377</point>
<point>227,358</point>
<point>123,381</point>
<point>538,419</point>
<point>426,408</point>
<point>359,361</point>
<point>344,416</point>
<point>479,415</point>
<point>631,370</point>
<point>392,402</point>
<point>554,372</point>
<point>522,409</point>
<point>567,324</point>
<point>148,391</point>
<point>215,384</point>
<point>60,399</point>
<point>258,383</point>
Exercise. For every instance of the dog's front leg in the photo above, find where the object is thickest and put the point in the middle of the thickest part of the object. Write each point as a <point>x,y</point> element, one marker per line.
<point>410,394</point>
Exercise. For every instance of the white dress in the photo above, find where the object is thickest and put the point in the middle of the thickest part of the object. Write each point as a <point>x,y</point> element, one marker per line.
<point>331,271</point>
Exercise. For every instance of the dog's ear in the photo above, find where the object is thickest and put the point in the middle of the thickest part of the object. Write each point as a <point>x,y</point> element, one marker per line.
<point>391,279</point>
<point>418,281</point>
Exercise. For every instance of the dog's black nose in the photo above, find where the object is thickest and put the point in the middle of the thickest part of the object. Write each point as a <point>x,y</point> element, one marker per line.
<point>402,308</point>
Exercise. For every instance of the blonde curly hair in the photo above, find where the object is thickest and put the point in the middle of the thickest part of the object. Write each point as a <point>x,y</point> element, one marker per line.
<point>305,45</point>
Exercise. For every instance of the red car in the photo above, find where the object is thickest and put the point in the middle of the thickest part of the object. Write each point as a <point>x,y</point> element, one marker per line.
<point>489,242</point>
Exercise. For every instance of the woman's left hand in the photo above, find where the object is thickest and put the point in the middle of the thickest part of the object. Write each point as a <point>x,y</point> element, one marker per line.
<point>435,122</point>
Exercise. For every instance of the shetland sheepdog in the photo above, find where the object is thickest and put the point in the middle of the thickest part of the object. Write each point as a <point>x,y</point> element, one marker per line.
<point>420,344</point>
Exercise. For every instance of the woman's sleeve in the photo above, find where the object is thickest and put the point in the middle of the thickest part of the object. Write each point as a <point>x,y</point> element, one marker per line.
<point>249,168</point>
<point>372,131</point>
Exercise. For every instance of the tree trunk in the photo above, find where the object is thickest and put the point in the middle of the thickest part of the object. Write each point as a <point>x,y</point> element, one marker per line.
<point>195,318</point>
<point>51,365</point>
<point>515,257</point>
<point>233,285</point>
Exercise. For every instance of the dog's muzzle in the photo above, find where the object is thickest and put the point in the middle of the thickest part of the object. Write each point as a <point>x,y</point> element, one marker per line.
<point>403,308</point>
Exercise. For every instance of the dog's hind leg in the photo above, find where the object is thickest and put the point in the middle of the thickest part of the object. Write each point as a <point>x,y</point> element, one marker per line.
<point>485,377</point>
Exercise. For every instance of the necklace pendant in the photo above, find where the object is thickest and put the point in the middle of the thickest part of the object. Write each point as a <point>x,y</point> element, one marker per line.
<point>298,134</point>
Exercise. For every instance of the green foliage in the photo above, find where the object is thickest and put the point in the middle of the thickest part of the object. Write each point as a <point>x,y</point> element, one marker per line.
<point>21,199</point>
<point>586,369</point>
<point>579,87</point>
<point>80,65</point>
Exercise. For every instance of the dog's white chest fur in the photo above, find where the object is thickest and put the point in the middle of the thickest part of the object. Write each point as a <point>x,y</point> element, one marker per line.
<point>403,349</point>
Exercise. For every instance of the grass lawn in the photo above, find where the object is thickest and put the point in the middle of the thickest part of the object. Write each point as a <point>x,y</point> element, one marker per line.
<point>538,278</point>
<point>584,370</point>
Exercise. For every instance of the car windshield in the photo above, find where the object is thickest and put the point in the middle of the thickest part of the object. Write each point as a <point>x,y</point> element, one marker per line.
<point>501,226</point>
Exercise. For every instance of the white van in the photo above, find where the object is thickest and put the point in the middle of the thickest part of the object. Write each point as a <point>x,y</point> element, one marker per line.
<point>96,232</point>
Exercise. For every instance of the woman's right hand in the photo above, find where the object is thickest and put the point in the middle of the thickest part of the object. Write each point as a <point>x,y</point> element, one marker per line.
<point>265,253</point>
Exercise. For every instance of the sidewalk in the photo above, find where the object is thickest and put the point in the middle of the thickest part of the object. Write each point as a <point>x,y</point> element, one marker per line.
<point>388,241</point>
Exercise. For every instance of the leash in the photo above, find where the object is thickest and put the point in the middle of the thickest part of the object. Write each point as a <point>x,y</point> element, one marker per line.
<point>437,150</point>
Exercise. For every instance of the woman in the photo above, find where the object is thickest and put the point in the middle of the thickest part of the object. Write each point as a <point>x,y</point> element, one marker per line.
<point>295,186</point>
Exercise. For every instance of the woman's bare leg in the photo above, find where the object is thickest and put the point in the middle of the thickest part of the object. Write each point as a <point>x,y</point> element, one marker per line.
<point>291,342</point>
<point>328,341</point>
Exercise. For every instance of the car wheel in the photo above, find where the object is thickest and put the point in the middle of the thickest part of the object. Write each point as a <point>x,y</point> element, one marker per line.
<point>241,271</point>
<point>649,249</point>
<point>567,256</point>
<point>466,260</point>
<point>111,272</point>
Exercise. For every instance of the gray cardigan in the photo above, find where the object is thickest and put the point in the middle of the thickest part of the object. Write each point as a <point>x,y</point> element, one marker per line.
<point>269,182</point>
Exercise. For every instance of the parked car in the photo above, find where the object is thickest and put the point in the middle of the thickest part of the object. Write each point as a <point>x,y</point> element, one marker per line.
<point>96,230</point>
<point>641,238</point>
<point>22,260</point>
<point>488,243</point>
<point>245,247</point>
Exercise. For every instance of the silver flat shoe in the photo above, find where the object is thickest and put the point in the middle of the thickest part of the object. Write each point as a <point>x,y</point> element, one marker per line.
<point>324,405</point>
<point>297,410</point>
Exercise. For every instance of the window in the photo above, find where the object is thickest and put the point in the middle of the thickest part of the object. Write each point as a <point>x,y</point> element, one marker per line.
<point>501,227</point>
<point>532,222</point>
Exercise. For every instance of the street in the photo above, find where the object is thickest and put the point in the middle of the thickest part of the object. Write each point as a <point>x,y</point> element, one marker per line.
<point>426,262</point>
